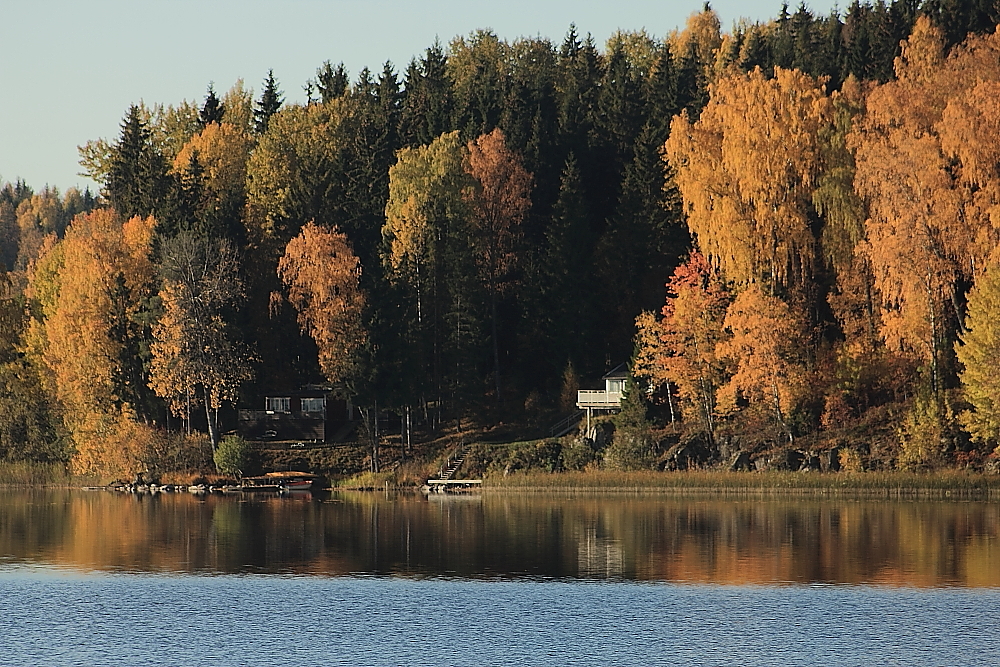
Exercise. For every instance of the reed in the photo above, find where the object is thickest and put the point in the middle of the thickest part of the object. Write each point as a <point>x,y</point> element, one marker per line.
<point>33,473</point>
<point>365,481</point>
<point>399,475</point>
<point>888,483</point>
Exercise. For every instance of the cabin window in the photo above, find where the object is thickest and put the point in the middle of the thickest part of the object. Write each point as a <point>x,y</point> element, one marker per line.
<point>312,404</point>
<point>615,386</point>
<point>278,404</point>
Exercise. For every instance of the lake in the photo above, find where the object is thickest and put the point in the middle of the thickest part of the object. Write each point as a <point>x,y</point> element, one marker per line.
<point>96,578</point>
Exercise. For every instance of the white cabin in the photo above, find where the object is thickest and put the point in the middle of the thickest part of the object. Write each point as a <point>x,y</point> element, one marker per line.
<point>610,398</point>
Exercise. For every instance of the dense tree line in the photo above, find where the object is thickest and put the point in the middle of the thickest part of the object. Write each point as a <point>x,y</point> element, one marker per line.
<point>450,239</point>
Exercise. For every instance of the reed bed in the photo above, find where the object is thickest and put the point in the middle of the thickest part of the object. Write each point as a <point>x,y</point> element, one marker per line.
<point>406,475</point>
<point>889,484</point>
<point>32,473</point>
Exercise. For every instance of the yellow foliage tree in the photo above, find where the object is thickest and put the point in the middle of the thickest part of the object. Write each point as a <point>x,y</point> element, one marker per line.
<point>765,348</point>
<point>747,169</point>
<point>301,144</point>
<point>428,252</point>
<point>425,200</point>
<point>90,288</point>
<point>222,150</point>
<point>979,353</point>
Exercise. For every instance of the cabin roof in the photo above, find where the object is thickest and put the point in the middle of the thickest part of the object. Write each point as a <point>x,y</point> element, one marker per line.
<point>619,372</point>
<point>298,393</point>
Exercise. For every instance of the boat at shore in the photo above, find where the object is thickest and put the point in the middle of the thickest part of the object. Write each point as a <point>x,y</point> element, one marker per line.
<point>280,481</point>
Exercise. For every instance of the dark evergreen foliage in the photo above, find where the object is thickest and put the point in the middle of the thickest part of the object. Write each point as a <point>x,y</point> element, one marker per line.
<point>331,82</point>
<point>137,181</point>
<point>566,314</point>
<point>212,110</point>
<point>268,104</point>
<point>427,100</point>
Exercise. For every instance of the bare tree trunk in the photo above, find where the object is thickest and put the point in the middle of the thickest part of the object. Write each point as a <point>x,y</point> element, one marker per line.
<point>407,446</point>
<point>708,408</point>
<point>496,345</point>
<point>374,436</point>
<point>670,402</point>
<point>213,434</point>
<point>780,413</point>
<point>935,370</point>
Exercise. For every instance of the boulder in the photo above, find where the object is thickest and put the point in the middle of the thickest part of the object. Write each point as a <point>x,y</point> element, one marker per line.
<point>741,462</point>
<point>810,463</point>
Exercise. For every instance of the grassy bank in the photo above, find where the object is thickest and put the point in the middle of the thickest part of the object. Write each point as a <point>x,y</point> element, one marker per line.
<point>947,483</point>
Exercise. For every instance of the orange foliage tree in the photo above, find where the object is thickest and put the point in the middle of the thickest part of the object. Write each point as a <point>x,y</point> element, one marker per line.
<point>680,348</point>
<point>90,289</point>
<point>766,348</point>
<point>926,154</point>
<point>322,275</point>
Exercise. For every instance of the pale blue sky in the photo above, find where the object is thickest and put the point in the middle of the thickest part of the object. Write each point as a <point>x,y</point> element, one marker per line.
<point>70,68</point>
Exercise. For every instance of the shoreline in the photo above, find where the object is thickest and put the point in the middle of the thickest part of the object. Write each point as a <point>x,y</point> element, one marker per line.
<point>942,484</point>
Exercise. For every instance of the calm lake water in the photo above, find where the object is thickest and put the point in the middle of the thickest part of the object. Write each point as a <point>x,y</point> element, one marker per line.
<point>96,578</point>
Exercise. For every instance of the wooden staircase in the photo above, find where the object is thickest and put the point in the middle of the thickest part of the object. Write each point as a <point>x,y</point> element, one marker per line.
<point>453,464</point>
<point>445,482</point>
<point>566,425</point>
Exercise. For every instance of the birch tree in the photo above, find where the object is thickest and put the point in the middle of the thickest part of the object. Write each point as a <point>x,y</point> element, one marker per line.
<point>765,347</point>
<point>196,352</point>
<point>747,169</point>
<point>680,348</point>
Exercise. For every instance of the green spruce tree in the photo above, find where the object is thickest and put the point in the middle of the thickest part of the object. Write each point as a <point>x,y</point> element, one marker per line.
<point>268,104</point>
<point>137,181</point>
<point>213,110</point>
<point>331,81</point>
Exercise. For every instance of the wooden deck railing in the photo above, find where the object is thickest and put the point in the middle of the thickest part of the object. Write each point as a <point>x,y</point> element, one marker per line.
<point>597,398</point>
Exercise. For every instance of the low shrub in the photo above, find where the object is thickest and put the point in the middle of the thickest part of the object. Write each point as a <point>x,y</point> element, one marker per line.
<point>629,450</point>
<point>578,453</point>
<point>233,455</point>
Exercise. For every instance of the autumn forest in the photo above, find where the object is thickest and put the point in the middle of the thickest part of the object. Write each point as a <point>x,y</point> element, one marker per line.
<point>789,230</point>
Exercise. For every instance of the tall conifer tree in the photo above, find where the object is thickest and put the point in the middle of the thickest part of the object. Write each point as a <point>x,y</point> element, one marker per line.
<point>137,179</point>
<point>213,110</point>
<point>268,104</point>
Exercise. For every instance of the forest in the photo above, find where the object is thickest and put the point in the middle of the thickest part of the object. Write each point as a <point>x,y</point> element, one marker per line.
<point>790,230</point>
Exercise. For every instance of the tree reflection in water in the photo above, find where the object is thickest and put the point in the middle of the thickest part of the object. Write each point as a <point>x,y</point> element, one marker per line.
<point>639,537</point>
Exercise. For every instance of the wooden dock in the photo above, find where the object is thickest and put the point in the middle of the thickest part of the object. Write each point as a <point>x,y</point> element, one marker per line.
<point>451,485</point>
<point>457,482</point>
